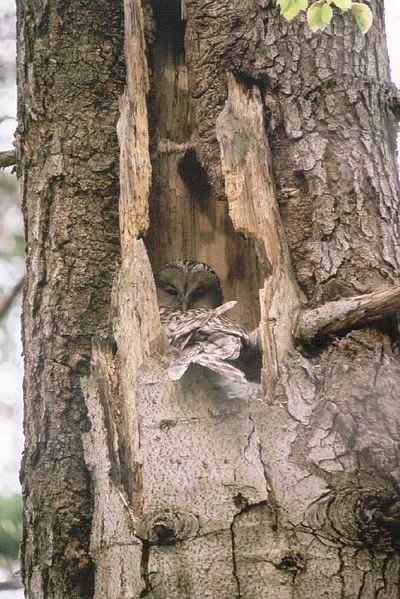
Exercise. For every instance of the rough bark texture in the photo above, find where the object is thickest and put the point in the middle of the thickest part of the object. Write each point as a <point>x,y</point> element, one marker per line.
<point>293,494</point>
<point>70,77</point>
<point>297,494</point>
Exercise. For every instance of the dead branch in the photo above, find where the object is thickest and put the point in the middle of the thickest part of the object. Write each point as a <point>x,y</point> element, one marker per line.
<point>7,300</point>
<point>342,314</point>
<point>10,585</point>
<point>8,158</point>
<point>7,117</point>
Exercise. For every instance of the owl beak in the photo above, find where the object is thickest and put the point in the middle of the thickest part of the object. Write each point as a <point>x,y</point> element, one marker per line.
<point>184,306</point>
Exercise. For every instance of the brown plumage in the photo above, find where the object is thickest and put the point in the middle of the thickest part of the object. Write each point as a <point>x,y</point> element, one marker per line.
<point>192,314</point>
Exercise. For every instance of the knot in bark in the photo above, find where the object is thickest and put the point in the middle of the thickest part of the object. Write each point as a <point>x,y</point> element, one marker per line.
<point>291,562</point>
<point>167,526</point>
<point>363,517</point>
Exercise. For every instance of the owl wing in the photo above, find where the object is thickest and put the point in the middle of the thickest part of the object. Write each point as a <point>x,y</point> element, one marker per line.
<point>183,326</point>
<point>204,336</point>
<point>214,351</point>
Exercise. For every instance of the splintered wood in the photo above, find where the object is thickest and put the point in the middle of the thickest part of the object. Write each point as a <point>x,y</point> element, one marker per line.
<point>253,209</point>
<point>133,131</point>
<point>188,217</point>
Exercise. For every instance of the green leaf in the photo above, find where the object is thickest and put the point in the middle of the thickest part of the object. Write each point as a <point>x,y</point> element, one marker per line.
<point>291,8</point>
<point>363,15</point>
<point>342,4</point>
<point>319,15</point>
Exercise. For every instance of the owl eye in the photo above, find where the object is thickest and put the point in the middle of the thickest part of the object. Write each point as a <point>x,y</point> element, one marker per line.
<point>171,290</point>
<point>198,293</point>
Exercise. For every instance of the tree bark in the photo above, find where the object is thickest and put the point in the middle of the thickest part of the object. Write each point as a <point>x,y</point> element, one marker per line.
<point>70,77</point>
<point>268,152</point>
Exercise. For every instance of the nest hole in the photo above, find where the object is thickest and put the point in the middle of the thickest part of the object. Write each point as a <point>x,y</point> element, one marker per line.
<point>187,218</point>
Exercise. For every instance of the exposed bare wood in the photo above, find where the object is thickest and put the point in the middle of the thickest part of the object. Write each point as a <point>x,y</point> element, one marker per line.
<point>8,158</point>
<point>171,147</point>
<point>7,300</point>
<point>183,10</point>
<point>249,187</point>
<point>113,542</point>
<point>133,129</point>
<point>345,313</point>
<point>188,217</point>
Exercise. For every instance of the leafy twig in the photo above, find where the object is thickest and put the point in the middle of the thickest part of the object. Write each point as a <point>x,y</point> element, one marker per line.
<point>320,13</point>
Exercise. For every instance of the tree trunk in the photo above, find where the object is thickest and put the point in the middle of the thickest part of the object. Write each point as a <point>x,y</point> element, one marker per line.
<point>267,152</point>
<point>70,77</point>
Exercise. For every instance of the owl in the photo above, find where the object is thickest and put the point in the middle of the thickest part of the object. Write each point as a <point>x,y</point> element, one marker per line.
<point>193,315</point>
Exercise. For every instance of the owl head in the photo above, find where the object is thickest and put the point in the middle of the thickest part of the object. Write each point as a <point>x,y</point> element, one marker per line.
<point>183,285</point>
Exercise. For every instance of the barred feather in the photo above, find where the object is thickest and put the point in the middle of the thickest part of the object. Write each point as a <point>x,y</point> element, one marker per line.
<point>193,316</point>
<point>204,336</point>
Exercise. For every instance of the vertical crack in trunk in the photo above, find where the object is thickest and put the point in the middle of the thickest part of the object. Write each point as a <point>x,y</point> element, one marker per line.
<point>144,570</point>
<point>234,565</point>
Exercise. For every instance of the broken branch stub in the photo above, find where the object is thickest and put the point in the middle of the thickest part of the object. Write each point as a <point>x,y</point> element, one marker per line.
<point>8,158</point>
<point>348,312</point>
